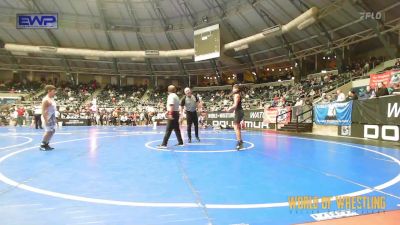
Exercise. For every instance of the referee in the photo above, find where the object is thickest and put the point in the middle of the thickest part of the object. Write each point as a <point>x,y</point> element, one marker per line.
<point>190,102</point>
<point>173,118</point>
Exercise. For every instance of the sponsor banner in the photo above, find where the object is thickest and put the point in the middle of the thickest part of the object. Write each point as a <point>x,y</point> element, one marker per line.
<point>333,215</point>
<point>9,100</point>
<point>37,21</point>
<point>253,119</point>
<point>337,113</point>
<point>382,111</point>
<point>344,130</point>
<point>75,122</point>
<point>376,132</point>
<point>270,115</point>
<point>387,77</point>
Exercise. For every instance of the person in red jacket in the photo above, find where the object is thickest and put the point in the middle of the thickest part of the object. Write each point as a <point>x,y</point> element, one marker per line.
<point>20,115</point>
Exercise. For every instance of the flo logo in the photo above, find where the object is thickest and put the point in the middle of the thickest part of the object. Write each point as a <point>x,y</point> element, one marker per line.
<point>371,15</point>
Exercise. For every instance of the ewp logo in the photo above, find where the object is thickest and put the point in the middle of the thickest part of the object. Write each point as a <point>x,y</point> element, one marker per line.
<point>37,21</point>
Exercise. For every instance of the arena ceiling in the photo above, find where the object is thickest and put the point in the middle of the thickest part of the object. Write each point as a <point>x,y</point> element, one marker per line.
<point>169,24</point>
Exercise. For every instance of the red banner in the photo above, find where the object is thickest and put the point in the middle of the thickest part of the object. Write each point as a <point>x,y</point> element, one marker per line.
<point>270,114</point>
<point>387,77</point>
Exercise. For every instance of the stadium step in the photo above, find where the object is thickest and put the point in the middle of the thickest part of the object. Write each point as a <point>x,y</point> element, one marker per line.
<point>301,127</point>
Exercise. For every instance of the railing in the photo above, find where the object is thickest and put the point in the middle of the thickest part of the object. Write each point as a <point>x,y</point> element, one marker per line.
<point>348,77</point>
<point>296,117</point>
<point>304,119</point>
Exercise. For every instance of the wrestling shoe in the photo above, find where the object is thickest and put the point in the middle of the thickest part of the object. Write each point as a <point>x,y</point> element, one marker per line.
<point>239,145</point>
<point>45,148</point>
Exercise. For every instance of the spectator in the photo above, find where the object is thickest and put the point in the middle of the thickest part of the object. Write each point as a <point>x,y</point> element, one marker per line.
<point>369,93</point>
<point>395,79</point>
<point>322,100</point>
<point>124,119</point>
<point>20,115</point>
<point>115,115</point>
<point>365,69</point>
<point>299,102</point>
<point>312,93</point>
<point>397,64</point>
<point>352,96</point>
<point>381,90</point>
<point>340,96</point>
<point>282,102</point>
<point>396,89</point>
<point>298,107</point>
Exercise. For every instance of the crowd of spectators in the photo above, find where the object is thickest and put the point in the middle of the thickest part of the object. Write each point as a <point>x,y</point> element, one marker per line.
<point>138,105</point>
<point>16,86</point>
<point>362,66</point>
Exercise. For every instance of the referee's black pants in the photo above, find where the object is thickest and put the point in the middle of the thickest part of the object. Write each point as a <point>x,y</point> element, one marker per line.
<point>173,125</point>
<point>38,121</point>
<point>192,119</point>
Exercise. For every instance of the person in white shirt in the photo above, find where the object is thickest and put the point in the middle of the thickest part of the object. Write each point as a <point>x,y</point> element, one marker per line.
<point>341,97</point>
<point>97,117</point>
<point>173,118</point>
<point>141,118</point>
<point>37,113</point>
<point>124,119</point>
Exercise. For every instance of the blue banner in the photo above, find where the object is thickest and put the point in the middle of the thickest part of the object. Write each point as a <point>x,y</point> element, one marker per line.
<point>37,21</point>
<point>337,113</point>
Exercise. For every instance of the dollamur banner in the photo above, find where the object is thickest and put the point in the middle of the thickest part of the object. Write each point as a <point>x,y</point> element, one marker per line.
<point>337,113</point>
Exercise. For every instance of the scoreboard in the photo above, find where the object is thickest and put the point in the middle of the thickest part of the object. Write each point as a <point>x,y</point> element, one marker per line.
<point>207,43</point>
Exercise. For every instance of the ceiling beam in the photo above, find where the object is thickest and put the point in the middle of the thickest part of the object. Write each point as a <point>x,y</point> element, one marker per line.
<point>393,26</point>
<point>390,26</point>
<point>142,44</point>
<point>167,26</point>
<point>33,5</point>
<point>338,52</point>
<point>233,32</point>
<point>377,25</point>
<point>191,18</point>
<point>107,29</point>
<point>10,55</point>
<point>264,15</point>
